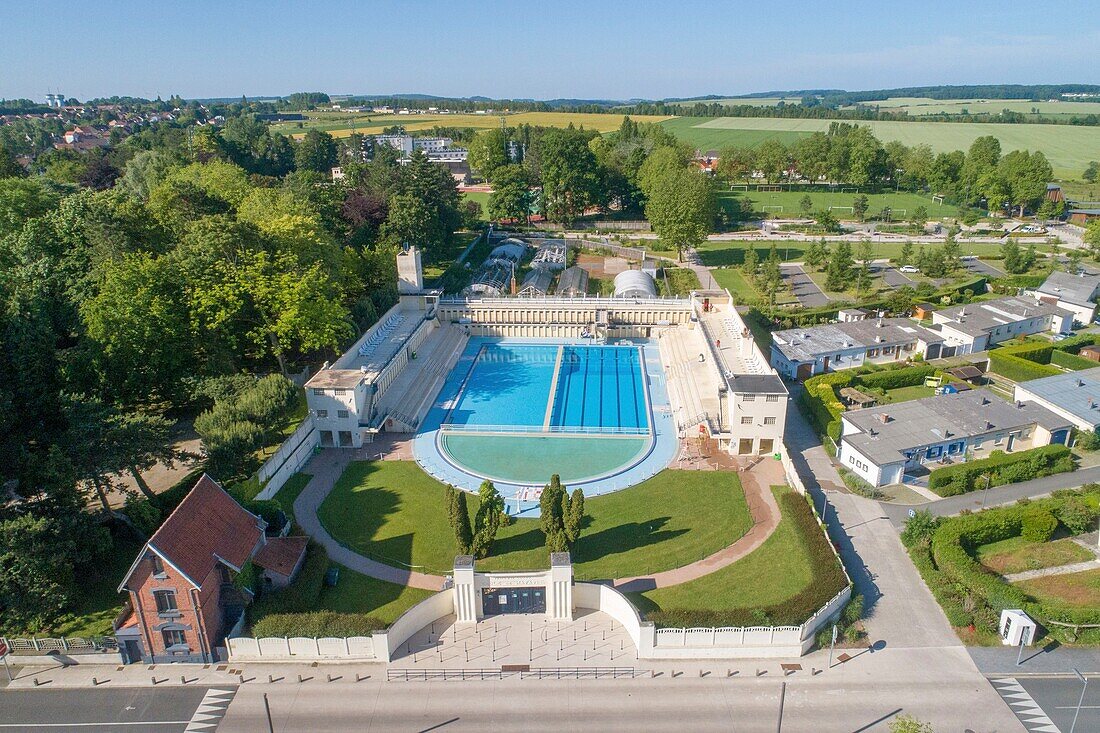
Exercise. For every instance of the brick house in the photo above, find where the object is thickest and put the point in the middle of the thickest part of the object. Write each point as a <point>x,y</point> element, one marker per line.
<point>183,598</point>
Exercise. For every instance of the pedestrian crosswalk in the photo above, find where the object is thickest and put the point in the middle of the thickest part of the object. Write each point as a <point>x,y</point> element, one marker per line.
<point>210,711</point>
<point>1025,707</point>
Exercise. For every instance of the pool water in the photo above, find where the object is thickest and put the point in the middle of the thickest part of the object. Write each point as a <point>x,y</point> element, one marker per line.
<point>531,459</point>
<point>557,388</point>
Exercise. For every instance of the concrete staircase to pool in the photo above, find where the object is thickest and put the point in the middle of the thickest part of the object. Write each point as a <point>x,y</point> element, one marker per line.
<point>409,398</point>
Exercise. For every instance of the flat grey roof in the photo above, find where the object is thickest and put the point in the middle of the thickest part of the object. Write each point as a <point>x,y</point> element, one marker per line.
<point>1069,287</point>
<point>757,384</point>
<point>1078,393</point>
<point>806,344</point>
<point>933,420</point>
<point>978,318</point>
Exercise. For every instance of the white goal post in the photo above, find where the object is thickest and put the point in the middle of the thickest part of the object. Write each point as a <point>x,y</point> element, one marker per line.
<point>937,199</point>
<point>845,208</point>
<point>772,207</point>
<point>739,187</point>
<point>849,190</point>
<point>900,212</point>
<point>768,188</point>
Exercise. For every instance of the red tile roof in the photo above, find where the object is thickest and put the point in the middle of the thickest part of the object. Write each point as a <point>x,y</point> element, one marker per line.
<point>281,554</point>
<point>207,527</point>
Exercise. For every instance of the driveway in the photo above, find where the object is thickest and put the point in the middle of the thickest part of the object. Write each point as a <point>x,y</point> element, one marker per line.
<point>892,276</point>
<point>802,287</point>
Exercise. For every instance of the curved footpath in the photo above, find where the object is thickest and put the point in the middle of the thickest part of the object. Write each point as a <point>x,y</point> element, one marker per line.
<point>327,467</point>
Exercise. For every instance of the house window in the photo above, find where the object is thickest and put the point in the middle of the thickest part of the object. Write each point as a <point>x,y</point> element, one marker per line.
<point>748,398</point>
<point>158,565</point>
<point>872,352</point>
<point>955,448</point>
<point>339,392</point>
<point>935,451</point>
<point>166,601</point>
<point>769,421</point>
<point>319,392</point>
<point>746,421</point>
<point>772,398</point>
<point>341,413</point>
<point>174,637</point>
<point>322,413</point>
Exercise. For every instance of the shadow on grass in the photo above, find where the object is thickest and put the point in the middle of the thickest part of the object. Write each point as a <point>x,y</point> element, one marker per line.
<point>624,538</point>
<point>527,541</point>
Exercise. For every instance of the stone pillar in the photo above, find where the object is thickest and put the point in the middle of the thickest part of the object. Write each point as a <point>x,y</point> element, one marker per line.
<point>559,591</point>
<point>467,608</point>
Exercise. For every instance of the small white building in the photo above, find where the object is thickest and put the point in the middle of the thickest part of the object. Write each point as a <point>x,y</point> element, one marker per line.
<point>1073,395</point>
<point>1075,293</point>
<point>880,444</point>
<point>635,284</point>
<point>758,413</point>
<point>978,326</point>
<point>800,353</point>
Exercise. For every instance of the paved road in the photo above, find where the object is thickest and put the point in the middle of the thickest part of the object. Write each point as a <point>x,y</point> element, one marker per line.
<point>892,276</point>
<point>1048,704</point>
<point>979,267</point>
<point>802,287</point>
<point>996,496</point>
<point>864,694</point>
<point>135,710</point>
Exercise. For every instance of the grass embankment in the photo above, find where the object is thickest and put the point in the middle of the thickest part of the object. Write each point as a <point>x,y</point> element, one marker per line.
<point>392,511</point>
<point>1018,555</point>
<point>766,585</point>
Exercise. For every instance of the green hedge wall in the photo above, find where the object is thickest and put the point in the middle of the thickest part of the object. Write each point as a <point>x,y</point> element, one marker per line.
<point>894,378</point>
<point>1067,360</point>
<point>828,580</point>
<point>317,624</point>
<point>1004,468</point>
<point>1018,369</point>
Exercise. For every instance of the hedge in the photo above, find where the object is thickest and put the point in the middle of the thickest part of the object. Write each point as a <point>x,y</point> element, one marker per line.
<point>1018,369</point>
<point>317,624</point>
<point>302,595</point>
<point>895,378</point>
<point>1003,468</point>
<point>819,392</point>
<point>1067,360</point>
<point>827,575</point>
<point>955,541</point>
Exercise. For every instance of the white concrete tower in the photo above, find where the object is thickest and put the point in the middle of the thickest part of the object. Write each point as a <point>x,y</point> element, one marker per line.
<point>410,273</point>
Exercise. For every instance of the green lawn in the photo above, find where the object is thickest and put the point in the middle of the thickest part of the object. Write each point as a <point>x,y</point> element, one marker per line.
<point>774,572</point>
<point>290,491</point>
<point>681,281</point>
<point>482,197</point>
<point>1068,148</point>
<point>904,394</point>
<point>434,270</point>
<point>358,593</point>
<point>1077,590</point>
<point>902,204</point>
<point>732,252</point>
<point>734,280</point>
<point>1017,555</point>
<point>392,511</point>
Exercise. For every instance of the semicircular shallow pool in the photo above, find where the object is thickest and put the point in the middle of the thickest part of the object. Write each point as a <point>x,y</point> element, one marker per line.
<point>531,459</point>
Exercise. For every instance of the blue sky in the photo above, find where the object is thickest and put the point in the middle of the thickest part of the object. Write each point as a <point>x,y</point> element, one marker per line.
<point>560,48</point>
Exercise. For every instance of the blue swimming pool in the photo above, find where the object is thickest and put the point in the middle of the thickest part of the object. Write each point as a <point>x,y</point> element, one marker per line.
<point>557,388</point>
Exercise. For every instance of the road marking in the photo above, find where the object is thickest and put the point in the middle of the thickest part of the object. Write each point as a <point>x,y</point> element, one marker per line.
<point>210,711</point>
<point>1024,706</point>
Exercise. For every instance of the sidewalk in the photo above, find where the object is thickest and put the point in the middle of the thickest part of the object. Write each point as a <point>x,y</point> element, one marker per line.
<point>1036,660</point>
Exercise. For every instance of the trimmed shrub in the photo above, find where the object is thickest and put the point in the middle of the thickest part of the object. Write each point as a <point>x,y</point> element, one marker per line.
<point>1003,468</point>
<point>1076,516</point>
<point>1038,525</point>
<point>827,580</point>
<point>1067,360</point>
<point>317,624</point>
<point>919,528</point>
<point>894,378</point>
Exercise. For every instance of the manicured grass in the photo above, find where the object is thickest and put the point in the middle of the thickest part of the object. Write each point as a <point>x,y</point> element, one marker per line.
<point>681,281</point>
<point>1017,555</point>
<point>902,204</point>
<point>732,252</point>
<point>1069,148</point>
<point>290,491</point>
<point>358,593</point>
<point>1077,590</point>
<point>774,572</point>
<point>904,394</point>
<point>392,511</point>
<point>482,197</point>
<point>461,241</point>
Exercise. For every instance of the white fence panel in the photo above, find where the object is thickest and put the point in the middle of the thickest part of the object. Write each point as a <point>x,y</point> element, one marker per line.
<point>243,647</point>
<point>292,465</point>
<point>274,647</point>
<point>301,646</point>
<point>360,647</point>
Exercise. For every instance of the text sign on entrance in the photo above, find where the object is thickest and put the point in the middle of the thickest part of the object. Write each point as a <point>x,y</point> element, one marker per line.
<point>521,582</point>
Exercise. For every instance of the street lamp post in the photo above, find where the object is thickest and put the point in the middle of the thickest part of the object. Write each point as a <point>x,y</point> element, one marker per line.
<point>1085,681</point>
<point>988,480</point>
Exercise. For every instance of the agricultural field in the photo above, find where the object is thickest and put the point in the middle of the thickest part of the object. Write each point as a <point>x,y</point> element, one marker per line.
<point>927,106</point>
<point>902,204</point>
<point>1068,148</point>
<point>343,124</point>
<point>734,101</point>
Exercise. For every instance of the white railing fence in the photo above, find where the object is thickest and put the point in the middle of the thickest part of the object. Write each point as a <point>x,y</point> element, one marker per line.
<point>35,645</point>
<point>299,648</point>
<point>294,462</point>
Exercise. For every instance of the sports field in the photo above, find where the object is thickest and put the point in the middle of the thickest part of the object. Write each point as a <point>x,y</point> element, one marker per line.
<point>787,203</point>
<point>343,124</point>
<point>1069,148</point>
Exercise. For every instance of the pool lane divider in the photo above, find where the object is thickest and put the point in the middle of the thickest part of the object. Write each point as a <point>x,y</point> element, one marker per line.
<point>553,389</point>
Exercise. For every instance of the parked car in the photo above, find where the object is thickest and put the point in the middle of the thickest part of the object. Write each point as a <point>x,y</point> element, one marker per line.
<point>908,268</point>
<point>1062,336</point>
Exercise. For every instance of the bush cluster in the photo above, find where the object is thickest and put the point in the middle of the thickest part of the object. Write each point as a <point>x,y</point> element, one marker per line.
<point>301,596</point>
<point>236,426</point>
<point>827,580</point>
<point>1002,468</point>
<point>1038,525</point>
<point>317,624</point>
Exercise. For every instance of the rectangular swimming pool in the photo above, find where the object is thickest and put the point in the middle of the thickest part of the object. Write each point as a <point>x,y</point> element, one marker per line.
<point>553,388</point>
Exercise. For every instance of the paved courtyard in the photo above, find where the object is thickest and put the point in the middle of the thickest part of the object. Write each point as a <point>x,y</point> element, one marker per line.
<point>591,639</point>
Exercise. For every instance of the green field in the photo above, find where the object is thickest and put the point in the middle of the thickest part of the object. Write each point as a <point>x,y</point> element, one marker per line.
<point>735,101</point>
<point>1068,148</point>
<point>392,511</point>
<point>722,253</point>
<point>929,106</point>
<point>902,204</point>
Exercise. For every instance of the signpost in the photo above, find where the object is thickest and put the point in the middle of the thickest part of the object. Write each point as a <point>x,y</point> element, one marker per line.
<point>831,645</point>
<point>1085,680</point>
